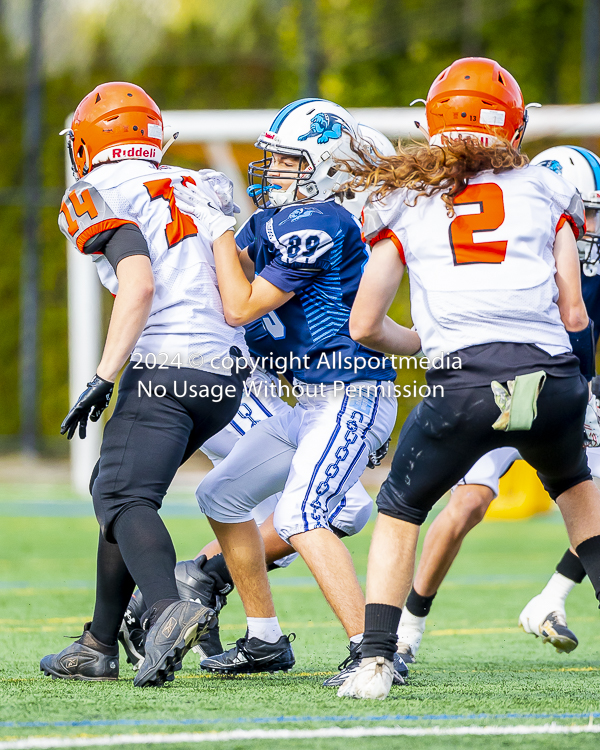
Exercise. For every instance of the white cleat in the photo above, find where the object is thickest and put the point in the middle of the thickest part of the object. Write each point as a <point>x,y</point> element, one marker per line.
<point>371,681</point>
<point>548,621</point>
<point>410,633</point>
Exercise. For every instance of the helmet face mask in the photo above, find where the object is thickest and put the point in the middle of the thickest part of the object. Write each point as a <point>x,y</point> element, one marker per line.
<point>263,177</point>
<point>589,245</point>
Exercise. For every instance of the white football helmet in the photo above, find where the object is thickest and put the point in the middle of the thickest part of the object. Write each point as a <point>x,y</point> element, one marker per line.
<point>377,143</point>
<point>580,167</point>
<point>315,130</point>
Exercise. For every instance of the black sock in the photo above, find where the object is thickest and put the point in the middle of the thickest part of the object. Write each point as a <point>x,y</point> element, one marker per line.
<point>589,554</point>
<point>418,605</point>
<point>148,552</point>
<point>570,567</point>
<point>381,630</point>
<point>216,568</point>
<point>114,586</point>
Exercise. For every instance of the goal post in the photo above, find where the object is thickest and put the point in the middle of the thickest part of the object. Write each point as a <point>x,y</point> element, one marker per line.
<point>217,130</point>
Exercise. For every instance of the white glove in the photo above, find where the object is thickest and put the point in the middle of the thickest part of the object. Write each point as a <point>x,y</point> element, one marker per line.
<point>192,201</point>
<point>591,427</point>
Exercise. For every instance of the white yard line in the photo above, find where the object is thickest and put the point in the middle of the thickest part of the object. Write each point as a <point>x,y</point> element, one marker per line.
<point>114,740</point>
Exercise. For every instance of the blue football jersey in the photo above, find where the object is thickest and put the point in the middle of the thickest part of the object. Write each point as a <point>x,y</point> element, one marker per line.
<point>314,250</point>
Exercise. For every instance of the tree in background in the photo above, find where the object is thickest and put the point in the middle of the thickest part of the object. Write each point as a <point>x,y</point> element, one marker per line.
<point>236,54</point>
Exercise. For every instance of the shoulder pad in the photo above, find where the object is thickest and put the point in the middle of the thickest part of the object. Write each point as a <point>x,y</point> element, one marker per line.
<point>325,215</point>
<point>576,215</point>
<point>84,214</point>
<point>372,223</point>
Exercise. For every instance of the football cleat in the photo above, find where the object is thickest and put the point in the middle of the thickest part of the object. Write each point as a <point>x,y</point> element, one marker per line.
<point>131,634</point>
<point>410,633</point>
<point>86,659</point>
<point>548,621</point>
<point>372,680</point>
<point>170,636</point>
<point>352,662</point>
<point>251,655</point>
<point>192,584</point>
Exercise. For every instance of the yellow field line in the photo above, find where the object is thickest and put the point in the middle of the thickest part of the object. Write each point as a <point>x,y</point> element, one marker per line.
<point>472,631</point>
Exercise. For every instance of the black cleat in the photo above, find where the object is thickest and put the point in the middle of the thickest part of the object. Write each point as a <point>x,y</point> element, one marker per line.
<point>193,584</point>
<point>406,653</point>
<point>251,655</point>
<point>352,662</point>
<point>86,659</point>
<point>209,643</point>
<point>131,634</point>
<point>177,629</point>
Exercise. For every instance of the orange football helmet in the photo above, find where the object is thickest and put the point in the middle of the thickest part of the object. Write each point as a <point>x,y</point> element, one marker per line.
<point>115,121</point>
<point>476,96</point>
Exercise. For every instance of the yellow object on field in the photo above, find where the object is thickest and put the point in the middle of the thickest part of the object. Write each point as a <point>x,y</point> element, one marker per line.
<point>521,495</point>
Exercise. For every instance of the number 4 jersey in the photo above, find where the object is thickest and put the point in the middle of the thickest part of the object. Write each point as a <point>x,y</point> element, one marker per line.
<point>486,274</point>
<point>186,322</point>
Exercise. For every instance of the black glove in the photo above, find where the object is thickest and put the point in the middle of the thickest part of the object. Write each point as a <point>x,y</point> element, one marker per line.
<point>92,402</point>
<point>377,456</point>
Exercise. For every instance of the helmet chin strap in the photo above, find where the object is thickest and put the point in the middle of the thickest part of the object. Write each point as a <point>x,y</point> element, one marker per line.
<point>281,197</point>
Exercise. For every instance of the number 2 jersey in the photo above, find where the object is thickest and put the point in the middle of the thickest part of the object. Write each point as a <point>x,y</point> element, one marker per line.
<point>487,274</point>
<point>186,321</point>
<point>314,250</point>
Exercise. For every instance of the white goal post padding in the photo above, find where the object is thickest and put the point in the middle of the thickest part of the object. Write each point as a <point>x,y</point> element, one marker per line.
<point>217,129</point>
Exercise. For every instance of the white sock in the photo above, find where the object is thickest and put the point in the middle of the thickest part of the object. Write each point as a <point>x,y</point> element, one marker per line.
<point>411,622</point>
<point>357,638</point>
<point>265,628</point>
<point>558,588</point>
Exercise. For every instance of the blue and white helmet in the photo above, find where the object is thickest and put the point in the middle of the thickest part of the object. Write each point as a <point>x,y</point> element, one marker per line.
<point>318,132</point>
<point>580,167</point>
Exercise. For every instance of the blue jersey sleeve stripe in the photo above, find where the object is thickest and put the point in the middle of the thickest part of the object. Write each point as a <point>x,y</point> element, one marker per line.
<point>592,161</point>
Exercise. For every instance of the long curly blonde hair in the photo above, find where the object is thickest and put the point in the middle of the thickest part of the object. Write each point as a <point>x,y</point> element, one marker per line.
<point>429,169</point>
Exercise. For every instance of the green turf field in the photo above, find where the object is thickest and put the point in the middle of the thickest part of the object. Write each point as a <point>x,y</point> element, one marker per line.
<point>475,667</point>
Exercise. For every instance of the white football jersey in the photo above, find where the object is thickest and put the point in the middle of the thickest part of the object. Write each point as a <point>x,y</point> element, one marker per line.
<point>186,326</point>
<point>487,274</point>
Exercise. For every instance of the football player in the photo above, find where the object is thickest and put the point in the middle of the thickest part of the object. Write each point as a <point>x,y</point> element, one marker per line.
<point>206,577</point>
<point>490,244</point>
<point>544,616</point>
<point>180,388</point>
<point>304,254</point>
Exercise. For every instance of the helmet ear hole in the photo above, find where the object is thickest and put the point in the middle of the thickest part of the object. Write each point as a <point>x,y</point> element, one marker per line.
<point>80,152</point>
<point>331,172</point>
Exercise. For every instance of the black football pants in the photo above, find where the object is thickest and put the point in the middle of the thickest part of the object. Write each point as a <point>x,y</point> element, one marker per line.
<point>445,435</point>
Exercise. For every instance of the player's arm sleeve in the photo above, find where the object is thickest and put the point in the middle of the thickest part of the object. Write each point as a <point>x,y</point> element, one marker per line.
<point>245,235</point>
<point>84,215</point>
<point>574,215</point>
<point>374,229</point>
<point>289,279</point>
<point>116,244</point>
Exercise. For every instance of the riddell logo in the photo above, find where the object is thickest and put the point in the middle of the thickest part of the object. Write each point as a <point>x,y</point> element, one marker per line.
<point>141,152</point>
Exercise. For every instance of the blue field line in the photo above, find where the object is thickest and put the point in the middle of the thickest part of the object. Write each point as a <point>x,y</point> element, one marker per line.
<point>278,581</point>
<point>282,720</point>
